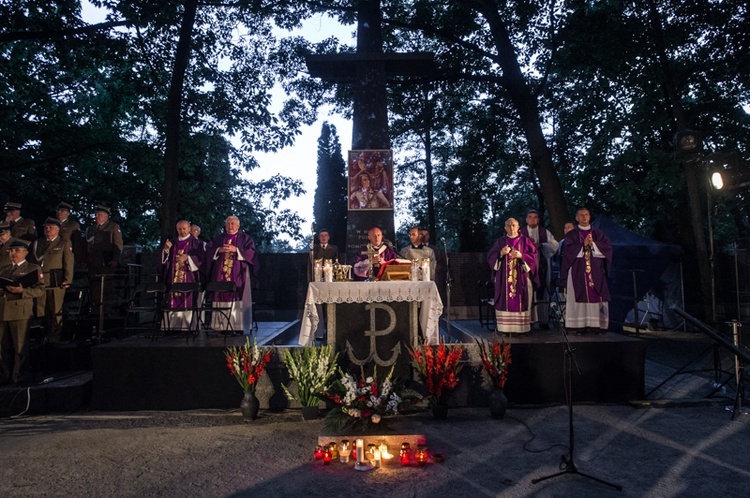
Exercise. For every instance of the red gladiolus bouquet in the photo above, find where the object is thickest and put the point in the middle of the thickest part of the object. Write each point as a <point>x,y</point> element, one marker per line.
<point>439,367</point>
<point>247,363</point>
<point>495,360</point>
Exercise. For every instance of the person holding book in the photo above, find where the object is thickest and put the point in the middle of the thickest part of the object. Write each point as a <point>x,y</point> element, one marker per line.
<point>54,254</point>
<point>22,282</point>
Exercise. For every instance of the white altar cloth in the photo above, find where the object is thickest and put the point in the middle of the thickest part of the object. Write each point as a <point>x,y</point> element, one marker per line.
<point>373,292</point>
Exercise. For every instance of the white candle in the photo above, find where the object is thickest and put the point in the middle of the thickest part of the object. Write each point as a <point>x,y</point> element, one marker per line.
<point>360,443</point>
<point>376,455</point>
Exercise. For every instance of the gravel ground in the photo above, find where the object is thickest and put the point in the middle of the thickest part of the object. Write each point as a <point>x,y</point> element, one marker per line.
<point>678,451</point>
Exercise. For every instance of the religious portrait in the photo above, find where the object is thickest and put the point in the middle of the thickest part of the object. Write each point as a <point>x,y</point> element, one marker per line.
<point>370,179</point>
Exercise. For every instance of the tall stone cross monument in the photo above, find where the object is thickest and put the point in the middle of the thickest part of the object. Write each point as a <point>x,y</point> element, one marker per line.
<point>369,70</point>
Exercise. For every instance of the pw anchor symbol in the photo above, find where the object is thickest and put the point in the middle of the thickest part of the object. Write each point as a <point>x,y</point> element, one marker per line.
<point>373,334</point>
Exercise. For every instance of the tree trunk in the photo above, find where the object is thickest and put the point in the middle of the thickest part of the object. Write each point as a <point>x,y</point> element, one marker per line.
<point>694,177</point>
<point>170,194</point>
<point>528,110</point>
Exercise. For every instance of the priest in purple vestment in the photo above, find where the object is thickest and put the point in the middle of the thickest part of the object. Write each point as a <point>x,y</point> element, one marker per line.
<point>181,259</point>
<point>513,263</point>
<point>586,262</point>
<point>381,253</point>
<point>234,260</point>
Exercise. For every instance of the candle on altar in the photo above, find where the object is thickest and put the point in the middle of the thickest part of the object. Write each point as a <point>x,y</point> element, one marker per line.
<point>360,448</point>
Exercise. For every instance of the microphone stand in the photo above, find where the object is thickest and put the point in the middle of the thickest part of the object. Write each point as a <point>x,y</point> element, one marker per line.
<point>448,282</point>
<point>567,464</point>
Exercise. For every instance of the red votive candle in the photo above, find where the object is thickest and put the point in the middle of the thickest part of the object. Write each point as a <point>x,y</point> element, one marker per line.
<point>318,452</point>
<point>327,456</point>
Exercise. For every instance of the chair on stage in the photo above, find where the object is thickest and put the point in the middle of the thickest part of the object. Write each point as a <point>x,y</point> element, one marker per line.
<point>217,315</point>
<point>144,311</point>
<point>180,309</point>
<point>487,304</point>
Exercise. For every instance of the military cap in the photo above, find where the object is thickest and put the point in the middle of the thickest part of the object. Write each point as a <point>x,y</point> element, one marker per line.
<point>4,227</point>
<point>11,206</point>
<point>64,205</point>
<point>51,221</point>
<point>104,209</point>
<point>20,243</point>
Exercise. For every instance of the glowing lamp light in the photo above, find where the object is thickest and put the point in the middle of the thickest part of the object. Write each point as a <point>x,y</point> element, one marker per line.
<point>717,181</point>
<point>327,457</point>
<point>421,455</point>
<point>360,445</point>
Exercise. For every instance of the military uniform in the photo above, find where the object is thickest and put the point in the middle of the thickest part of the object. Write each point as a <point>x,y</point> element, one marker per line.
<point>5,246</point>
<point>15,311</point>
<point>104,247</point>
<point>55,257</point>
<point>70,229</point>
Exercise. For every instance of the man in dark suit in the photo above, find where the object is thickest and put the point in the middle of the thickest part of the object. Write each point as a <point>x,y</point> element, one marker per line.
<point>325,250</point>
<point>54,254</point>
<point>22,283</point>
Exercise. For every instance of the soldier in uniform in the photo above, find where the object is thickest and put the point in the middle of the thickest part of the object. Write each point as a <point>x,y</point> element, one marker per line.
<point>104,247</point>
<point>54,255</point>
<point>20,228</point>
<point>5,240</point>
<point>22,283</point>
<point>70,229</point>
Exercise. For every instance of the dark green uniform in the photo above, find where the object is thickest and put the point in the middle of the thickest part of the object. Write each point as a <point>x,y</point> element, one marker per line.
<point>56,260</point>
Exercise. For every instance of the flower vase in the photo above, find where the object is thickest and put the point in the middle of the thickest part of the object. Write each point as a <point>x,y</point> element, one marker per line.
<point>498,403</point>
<point>440,411</point>
<point>310,412</point>
<point>250,406</point>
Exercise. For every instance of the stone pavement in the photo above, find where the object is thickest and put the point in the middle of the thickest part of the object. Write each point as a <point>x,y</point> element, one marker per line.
<point>676,443</point>
<point>665,452</point>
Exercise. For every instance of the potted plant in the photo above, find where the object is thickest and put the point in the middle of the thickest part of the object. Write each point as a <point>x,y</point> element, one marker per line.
<point>438,367</point>
<point>247,363</point>
<point>495,360</point>
<point>312,369</point>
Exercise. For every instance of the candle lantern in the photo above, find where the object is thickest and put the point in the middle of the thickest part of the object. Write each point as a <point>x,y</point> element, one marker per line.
<point>334,450</point>
<point>327,456</point>
<point>376,458</point>
<point>384,453</point>
<point>318,452</point>
<point>371,451</point>
<point>405,454</point>
<point>421,454</point>
<point>345,451</point>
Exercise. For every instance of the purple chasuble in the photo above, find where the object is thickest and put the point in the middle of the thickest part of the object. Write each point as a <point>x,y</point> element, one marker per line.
<point>179,273</point>
<point>510,279</point>
<point>588,272</point>
<point>227,267</point>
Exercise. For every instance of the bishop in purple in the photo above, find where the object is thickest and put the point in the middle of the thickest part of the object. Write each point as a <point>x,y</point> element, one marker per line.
<point>234,260</point>
<point>586,261</point>
<point>181,259</point>
<point>513,263</point>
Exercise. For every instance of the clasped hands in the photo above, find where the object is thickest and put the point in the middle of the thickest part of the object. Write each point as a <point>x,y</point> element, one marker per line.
<point>514,253</point>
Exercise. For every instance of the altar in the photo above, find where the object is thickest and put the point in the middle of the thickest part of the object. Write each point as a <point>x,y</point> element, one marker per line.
<point>370,320</point>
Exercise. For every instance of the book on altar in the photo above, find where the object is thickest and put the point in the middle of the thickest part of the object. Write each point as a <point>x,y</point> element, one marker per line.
<point>395,269</point>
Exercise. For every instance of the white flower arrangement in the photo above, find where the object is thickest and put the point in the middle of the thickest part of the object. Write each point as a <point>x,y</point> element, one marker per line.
<point>312,368</point>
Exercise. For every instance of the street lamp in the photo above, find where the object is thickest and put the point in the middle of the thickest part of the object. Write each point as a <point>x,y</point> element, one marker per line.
<point>726,171</point>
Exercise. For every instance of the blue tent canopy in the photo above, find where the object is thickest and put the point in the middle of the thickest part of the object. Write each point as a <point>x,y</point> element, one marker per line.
<point>654,266</point>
